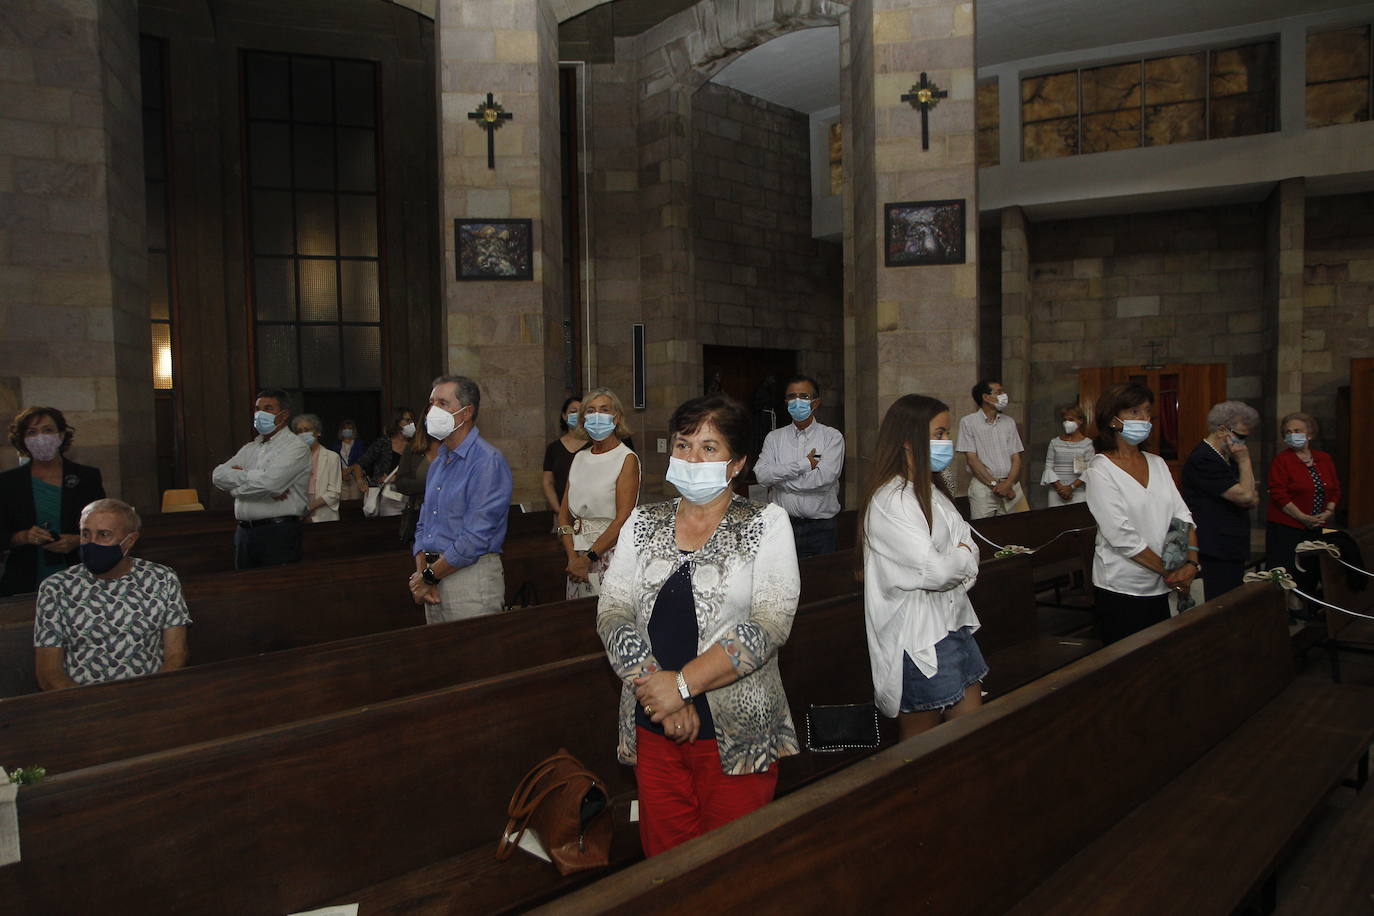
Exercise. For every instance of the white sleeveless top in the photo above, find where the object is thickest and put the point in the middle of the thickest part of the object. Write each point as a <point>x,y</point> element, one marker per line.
<point>591,491</point>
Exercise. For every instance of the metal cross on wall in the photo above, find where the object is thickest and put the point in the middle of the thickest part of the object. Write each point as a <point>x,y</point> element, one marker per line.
<point>489,116</point>
<point>925,95</point>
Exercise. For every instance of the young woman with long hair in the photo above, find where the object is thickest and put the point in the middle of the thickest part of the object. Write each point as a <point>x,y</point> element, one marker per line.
<point>920,559</point>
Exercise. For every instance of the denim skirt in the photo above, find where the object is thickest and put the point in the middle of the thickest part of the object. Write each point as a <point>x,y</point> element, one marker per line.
<point>959,664</point>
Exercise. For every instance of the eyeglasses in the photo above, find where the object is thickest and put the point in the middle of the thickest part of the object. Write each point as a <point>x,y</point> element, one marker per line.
<point>797,396</point>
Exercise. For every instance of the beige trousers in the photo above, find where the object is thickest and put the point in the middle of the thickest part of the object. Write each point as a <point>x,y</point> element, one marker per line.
<point>470,592</point>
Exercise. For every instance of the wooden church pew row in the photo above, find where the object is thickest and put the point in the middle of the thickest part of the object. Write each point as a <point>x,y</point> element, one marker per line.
<point>1058,558</point>
<point>1187,751</point>
<point>1342,587</point>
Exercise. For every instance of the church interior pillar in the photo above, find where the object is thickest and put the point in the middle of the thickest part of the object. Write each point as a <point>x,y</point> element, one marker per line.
<point>1016,376</point>
<point>73,262</point>
<point>506,334</point>
<point>915,328</point>
<point>1284,301</point>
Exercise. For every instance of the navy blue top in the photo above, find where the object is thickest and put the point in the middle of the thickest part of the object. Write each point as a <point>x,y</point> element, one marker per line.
<point>673,637</point>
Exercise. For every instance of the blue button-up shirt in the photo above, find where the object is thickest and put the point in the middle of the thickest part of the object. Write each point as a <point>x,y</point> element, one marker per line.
<point>467,502</point>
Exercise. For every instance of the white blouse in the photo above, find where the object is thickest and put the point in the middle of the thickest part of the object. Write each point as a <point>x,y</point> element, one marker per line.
<point>591,491</point>
<point>1130,518</point>
<point>916,582</point>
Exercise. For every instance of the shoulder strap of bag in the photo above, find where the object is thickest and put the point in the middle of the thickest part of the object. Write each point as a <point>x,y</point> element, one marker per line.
<point>524,802</point>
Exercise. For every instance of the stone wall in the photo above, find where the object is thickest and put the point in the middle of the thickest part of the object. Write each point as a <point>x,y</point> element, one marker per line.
<point>72,262</point>
<point>760,279</point>
<point>1338,301</point>
<point>1103,288</point>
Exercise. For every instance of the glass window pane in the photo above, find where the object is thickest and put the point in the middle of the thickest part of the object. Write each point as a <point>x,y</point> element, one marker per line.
<point>162,356</point>
<point>1050,139</point>
<point>312,90</point>
<point>274,289</point>
<point>355,83</point>
<point>1111,88</point>
<point>363,357</point>
<point>1180,123</point>
<point>1175,79</point>
<point>361,295</point>
<point>1345,102</point>
<point>314,155</point>
<point>358,225</point>
<point>266,79</point>
<point>1111,130</point>
<point>272,222</point>
<point>269,154</point>
<point>1343,54</point>
<point>357,159</point>
<point>157,285</point>
<point>155,193</point>
<point>1051,96</point>
<point>1242,115</point>
<point>319,291</point>
<point>320,357</point>
<point>315,223</point>
<point>277,356</point>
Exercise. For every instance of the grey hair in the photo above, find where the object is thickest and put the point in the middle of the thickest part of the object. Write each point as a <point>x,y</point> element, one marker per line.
<point>307,419</point>
<point>130,515</point>
<point>621,430</point>
<point>468,392</point>
<point>1231,414</point>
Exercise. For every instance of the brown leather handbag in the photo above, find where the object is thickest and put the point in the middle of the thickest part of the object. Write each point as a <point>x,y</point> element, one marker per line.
<point>567,807</point>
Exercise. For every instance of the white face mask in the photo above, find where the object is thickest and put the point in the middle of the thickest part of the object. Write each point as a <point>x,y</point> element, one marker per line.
<point>1070,427</point>
<point>439,423</point>
<point>1002,400</point>
<point>408,430</point>
<point>698,481</point>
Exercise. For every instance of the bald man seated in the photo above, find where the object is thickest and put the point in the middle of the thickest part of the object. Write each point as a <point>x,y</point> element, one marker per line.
<point>111,616</point>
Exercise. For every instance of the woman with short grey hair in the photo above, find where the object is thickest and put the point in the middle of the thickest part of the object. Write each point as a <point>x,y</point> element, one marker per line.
<point>1218,484</point>
<point>325,489</point>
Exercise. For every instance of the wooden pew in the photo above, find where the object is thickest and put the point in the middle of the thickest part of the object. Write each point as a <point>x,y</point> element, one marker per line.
<point>1349,590</point>
<point>1195,728</point>
<point>1058,558</point>
<point>237,614</point>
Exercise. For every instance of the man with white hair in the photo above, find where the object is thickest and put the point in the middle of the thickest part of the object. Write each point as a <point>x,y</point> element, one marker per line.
<point>111,616</point>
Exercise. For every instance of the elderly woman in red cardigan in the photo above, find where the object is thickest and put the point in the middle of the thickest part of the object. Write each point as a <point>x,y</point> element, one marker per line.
<point>1303,492</point>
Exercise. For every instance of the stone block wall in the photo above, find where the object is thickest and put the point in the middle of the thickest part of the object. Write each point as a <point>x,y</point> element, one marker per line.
<point>760,279</point>
<point>1103,288</point>
<point>73,305</point>
<point>1338,299</point>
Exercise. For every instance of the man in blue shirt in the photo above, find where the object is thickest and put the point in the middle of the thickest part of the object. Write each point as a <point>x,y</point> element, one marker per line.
<point>462,523</point>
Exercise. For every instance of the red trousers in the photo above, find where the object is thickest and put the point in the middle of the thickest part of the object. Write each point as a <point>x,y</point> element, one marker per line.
<point>683,793</point>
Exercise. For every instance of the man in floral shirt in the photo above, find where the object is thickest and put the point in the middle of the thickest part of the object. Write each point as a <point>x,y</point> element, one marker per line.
<point>112,616</point>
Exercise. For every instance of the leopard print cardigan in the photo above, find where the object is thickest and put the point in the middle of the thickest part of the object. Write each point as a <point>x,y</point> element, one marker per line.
<point>746,586</point>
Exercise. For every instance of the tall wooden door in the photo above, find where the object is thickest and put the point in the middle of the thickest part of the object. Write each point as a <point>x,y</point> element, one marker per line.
<point>1360,483</point>
<point>1183,395</point>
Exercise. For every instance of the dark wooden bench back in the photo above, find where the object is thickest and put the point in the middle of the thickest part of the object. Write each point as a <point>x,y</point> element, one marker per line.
<point>1038,527</point>
<point>1024,784</point>
<point>1344,588</point>
<point>70,729</point>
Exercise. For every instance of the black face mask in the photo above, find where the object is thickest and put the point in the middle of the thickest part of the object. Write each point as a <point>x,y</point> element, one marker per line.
<point>101,558</point>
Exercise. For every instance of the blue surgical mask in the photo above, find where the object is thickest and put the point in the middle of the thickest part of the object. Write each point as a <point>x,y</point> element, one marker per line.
<point>1135,431</point>
<point>941,454</point>
<point>698,481</point>
<point>599,425</point>
<point>101,558</point>
<point>264,422</point>
<point>572,419</point>
<point>307,438</point>
<point>1296,440</point>
<point>346,434</point>
<point>799,409</point>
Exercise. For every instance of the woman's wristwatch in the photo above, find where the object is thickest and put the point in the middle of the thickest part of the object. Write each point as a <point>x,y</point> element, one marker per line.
<point>1196,564</point>
<point>682,689</point>
<point>591,556</point>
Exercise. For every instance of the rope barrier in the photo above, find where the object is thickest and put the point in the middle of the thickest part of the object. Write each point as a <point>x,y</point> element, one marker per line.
<point>1015,549</point>
<point>1330,549</point>
<point>1284,579</point>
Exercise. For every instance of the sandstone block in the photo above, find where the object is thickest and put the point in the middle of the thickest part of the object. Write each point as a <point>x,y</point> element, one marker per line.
<point>1137,306</point>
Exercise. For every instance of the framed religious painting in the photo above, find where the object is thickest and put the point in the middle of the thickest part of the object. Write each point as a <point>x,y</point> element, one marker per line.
<point>494,249</point>
<point>923,232</point>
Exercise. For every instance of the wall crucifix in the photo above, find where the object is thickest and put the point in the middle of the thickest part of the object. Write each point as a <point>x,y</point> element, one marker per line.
<point>490,116</point>
<point>925,95</point>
